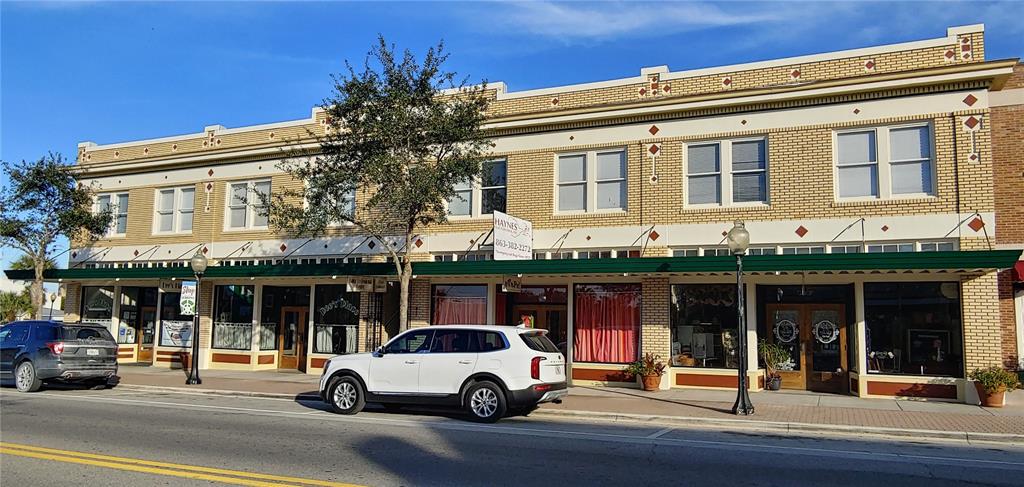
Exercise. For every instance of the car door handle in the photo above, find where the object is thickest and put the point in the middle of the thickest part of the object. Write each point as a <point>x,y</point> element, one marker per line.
<point>467,362</point>
<point>412,361</point>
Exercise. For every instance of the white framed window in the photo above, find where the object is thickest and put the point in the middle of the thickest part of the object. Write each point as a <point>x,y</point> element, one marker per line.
<point>717,251</point>
<point>117,204</point>
<point>482,195</point>
<point>174,210</point>
<point>803,250</point>
<point>893,247</point>
<point>845,249</point>
<point>761,251</point>
<point>884,162</point>
<point>727,172</point>
<point>588,182</point>
<point>245,208</point>
<point>684,252</point>
<point>937,246</point>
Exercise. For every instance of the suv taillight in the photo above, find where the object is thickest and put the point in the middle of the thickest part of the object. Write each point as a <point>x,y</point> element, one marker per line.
<point>56,347</point>
<point>535,367</point>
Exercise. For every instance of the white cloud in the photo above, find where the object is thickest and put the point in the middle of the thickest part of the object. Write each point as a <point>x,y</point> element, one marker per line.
<point>9,286</point>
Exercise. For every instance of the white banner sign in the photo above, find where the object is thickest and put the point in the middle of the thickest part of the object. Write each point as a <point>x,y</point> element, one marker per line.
<point>187,302</point>
<point>175,333</point>
<point>513,238</point>
<point>512,284</point>
<point>360,284</point>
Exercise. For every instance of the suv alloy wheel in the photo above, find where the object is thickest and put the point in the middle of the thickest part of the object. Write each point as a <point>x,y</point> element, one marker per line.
<point>25,377</point>
<point>347,396</point>
<point>485,402</point>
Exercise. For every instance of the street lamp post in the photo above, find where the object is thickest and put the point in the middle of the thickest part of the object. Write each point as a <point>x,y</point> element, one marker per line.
<point>198,264</point>
<point>53,299</point>
<point>739,240</point>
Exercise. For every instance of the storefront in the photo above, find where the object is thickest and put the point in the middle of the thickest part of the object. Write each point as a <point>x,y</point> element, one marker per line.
<point>899,324</point>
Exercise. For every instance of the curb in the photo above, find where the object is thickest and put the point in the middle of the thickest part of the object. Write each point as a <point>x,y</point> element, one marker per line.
<point>781,426</point>
<point>689,421</point>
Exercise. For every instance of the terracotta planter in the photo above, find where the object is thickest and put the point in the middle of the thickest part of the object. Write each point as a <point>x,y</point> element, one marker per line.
<point>990,399</point>
<point>773,383</point>
<point>651,382</point>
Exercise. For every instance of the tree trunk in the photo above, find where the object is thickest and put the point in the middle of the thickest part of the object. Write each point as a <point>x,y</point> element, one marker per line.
<point>36,289</point>
<point>403,301</point>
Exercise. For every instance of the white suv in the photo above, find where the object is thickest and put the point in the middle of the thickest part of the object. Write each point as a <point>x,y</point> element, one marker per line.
<point>488,370</point>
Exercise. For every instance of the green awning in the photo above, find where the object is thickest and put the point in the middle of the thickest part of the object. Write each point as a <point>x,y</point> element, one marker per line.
<point>912,261</point>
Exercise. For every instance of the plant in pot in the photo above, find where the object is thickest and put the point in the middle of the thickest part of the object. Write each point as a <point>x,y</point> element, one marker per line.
<point>775,358</point>
<point>992,384</point>
<point>649,369</point>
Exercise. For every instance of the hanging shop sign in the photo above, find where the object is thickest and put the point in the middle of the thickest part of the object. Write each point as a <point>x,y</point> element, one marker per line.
<point>512,284</point>
<point>187,301</point>
<point>380,284</point>
<point>513,237</point>
<point>360,284</point>
<point>169,286</point>
<point>786,331</point>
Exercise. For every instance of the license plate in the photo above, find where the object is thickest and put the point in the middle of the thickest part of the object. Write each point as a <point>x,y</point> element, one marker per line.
<point>92,351</point>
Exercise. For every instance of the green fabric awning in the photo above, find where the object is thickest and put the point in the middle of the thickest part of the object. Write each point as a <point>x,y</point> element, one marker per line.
<point>913,261</point>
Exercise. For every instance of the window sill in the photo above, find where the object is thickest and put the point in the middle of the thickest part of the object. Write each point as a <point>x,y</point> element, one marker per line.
<point>596,213</point>
<point>170,234</point>
<point>726,208</point>
<point>884,201</point>
<point>247,229</point>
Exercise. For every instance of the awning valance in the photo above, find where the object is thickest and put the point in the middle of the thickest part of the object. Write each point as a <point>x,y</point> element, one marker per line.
<point>913,261</point>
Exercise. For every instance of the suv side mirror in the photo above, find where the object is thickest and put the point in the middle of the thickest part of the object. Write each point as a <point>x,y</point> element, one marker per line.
<point>379,352</point>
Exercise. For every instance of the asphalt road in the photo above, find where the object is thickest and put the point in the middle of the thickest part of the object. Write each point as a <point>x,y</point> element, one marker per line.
<point>127,437</point>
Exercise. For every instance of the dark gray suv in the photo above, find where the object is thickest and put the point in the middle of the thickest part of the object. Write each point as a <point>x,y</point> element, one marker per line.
<point>33,352</point>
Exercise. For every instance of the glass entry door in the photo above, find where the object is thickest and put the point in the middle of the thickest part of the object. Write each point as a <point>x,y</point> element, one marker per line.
<point>550,317</point>
<point>147,327</point>
<point>292,338</point>
<point>815,336</point>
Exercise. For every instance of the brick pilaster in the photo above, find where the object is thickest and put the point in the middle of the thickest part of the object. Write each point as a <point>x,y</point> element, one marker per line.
<point>980,315</point>
<point>655,336</point>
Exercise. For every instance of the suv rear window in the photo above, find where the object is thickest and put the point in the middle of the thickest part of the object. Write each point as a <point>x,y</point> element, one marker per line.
<point>538,341</point>
<point>86,333</point>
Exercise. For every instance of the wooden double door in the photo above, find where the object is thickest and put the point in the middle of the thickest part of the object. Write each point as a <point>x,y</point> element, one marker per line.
<point>815,336</point>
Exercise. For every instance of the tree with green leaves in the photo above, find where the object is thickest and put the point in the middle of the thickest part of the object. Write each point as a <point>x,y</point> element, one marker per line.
<point>41,202</point>
<point>13,305</point>
<point>26,263</point>
<point>401,133</point>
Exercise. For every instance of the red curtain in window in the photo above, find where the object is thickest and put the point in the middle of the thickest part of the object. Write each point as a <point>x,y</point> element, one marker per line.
<point>459,311</point>
<point>607,324</point>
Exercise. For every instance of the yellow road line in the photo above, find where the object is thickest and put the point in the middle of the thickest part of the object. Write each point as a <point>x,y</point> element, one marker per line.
<point>162,468</point>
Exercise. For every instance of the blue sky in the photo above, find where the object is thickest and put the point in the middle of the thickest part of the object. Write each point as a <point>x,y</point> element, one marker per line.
<point>110,72</point>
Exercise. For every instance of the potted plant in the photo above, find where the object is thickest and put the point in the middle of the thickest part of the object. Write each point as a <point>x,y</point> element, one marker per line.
<point>992,384</point>
<point>775,358</point>
<point>649,369</point>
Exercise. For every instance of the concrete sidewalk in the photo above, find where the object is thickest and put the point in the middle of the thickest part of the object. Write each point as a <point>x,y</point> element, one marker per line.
<point>776,411</point>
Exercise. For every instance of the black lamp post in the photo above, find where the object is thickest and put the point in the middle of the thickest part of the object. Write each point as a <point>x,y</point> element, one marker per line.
<point>198,264</point>
<point>53,299</point>
<point>738,240</point>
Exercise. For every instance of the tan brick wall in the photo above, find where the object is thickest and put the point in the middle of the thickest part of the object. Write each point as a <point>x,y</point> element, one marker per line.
<point>980,315</point>
<point>205,314</point>
<point>655,336</point>
<point>72,301</point>
<point>1008,162</point>
<point>419,303</point>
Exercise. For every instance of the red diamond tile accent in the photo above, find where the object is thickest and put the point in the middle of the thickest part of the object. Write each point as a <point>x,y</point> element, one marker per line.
<point>727,81</point>
<point>654,235</point>
<point>965,47</point>
<point>136,253</point>
<point>973,157</point>
<point>654,86</point>
<point>74,254</point>
<point>572,137</point>
<point>588,237</point>
<point>743,122</point>
<point>725,233</point>
<point>971,122</point>
<point>371,245</point>
<point>653,130</point>
<point>885,228</point>
<point>856,111</point>
<point>643,91</point>
<point>949,54</point>
<point>970,100</point>
<point>283,247</point>
<point>667,88</point>
<point>554,101</point>
<point>419,243</point>
<point>209,173</point>
<point>205,250</point>
<point>869,64</point>
<point>795,73</point>
<point>654,149</point>
<point>976,224</point>
<point>801,231</point>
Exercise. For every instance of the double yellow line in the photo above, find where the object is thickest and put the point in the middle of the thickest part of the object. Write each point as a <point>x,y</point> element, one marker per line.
<point>211,474</point>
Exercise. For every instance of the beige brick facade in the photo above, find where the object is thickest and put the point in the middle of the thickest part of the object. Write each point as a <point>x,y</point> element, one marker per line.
<point>980,312</point>
<point>655,336</point>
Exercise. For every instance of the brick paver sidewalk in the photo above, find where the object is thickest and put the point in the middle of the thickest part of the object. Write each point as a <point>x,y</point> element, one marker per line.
<point>704,405</point>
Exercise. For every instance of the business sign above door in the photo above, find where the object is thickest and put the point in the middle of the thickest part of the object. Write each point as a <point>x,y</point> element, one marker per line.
<point>513,237</point>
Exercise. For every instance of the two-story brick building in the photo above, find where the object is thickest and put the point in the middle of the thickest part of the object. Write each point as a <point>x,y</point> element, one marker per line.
<point>880,186</point>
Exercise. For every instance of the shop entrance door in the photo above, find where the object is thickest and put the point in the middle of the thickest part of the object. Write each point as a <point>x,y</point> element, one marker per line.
<point>147,325</point>
<point>292,338</point>
<point>550,317</point>
<point>815,335</point>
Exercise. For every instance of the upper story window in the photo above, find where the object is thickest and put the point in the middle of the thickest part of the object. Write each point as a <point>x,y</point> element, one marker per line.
<point>245,205</point>
<point>591,181</point>
<point>937,246</point>
<point>803,250</point>
<point>174,209</point>
<point>895,247</point>
<point>726,172</point>
<point>885,162</point>
<point>117,204</point>
<point>483,195</point>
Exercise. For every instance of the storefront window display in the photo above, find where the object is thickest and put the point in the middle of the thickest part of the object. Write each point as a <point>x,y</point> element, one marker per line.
<point>335,320</point>
<point>232,317</point>
<point>175,328</point>
<point>703,318</point>
<point>459,304</point>
<point>607,323</point>
<point>913,328</point>
<point>97,304</point>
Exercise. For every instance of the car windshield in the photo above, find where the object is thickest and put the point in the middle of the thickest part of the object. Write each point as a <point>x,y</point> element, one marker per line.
<point>86,333</point>
<point>539,341</point>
